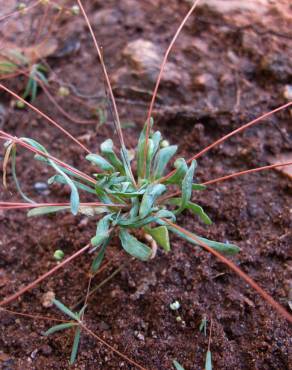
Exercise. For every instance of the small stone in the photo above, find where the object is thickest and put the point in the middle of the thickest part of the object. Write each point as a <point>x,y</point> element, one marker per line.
<point>46,350</point>
<point>103,326</point>
<point>205,81</point>
<point>34,353</point>
<point>174,305</point>
<point>47,299</point>
<point>41,188</point>
<point>287,93</point>
<point>106,17</point>
<point>3,278</point>
<point>139,336</point>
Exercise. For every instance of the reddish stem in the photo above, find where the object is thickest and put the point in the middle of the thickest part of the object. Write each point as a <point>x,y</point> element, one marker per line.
<point>281,310</point>
<point>234,132</point>
<point>19,11</point>
<point>54,123</point>
<point>160,76</point>
<point>22,205</point>
<point>34,150</point>
<point>227,177</point>
<point>44,276</point>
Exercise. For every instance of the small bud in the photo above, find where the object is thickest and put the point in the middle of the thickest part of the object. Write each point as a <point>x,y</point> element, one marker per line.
<point>287,93</point>
<point>178,319</point>
<point>58,255</point>
<point>174,305</point>
<point>63,91</point>
<point>164,143</point>
<point>20,104</point>
<point>75,10</point>
<point>21,7</point>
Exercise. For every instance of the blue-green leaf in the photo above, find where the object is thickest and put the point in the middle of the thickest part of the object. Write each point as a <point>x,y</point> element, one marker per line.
<point>107,149</point>
<point>60,179</point>
<point>65,309</point>
<point>59,327</point>
<point>177,365</point>
<point>199,187</point>
<point>187,187</point>
<point>15,178</point>
<point>100,162</point>
<point>198,210</point>
<point>208,363</point>
<point>195,208</point>
<point>220,247</point>
<point>181,169</point>
<point>134,247</point>
<point>39,211</point>
<point>102,231</point>
<point>74,198</point>
<point>75,346</point>
<point>141,150</point>
<point>151,194</point>
<point>161,160</point>
<point>160,235</point>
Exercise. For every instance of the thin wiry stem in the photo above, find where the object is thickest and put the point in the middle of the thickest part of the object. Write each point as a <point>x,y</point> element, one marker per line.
<point>281,310</point>
<point>232,175</point>
<point>108,83</point>
<point>22,205</point>
<point>111,348</point>
<point>252,170</point>
<point>16,295</point>
<point>232,133</point>
<point>36,151</point>
<point>17,12</point>
<point>54,123</point>
<point>160,76</point>
<point>31,316</point>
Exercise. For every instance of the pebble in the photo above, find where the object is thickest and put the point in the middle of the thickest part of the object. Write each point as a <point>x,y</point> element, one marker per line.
<point>106,17</point>
<point>287,93</point>
<point>46,350</point>
<point>139,336</point>
<point>41,188</point>
<point>205,81</point>
<point>47,299</point>
<point>3,278</point>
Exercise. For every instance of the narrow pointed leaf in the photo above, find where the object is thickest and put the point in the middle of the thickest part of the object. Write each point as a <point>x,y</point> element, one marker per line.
<point>59,327</point>
<point>181,169</point>
<point>39,211</point>
<point>134,247</point>
<point>226,248</point>
<point>107,150</point>
<point>208,363</point>
<point>102,231</point>
<point>195,208</point>
<point>162,158</point>
<point>65,309</point>
<point>187,187</point>
<point>60,179</point>
<point>75,346</point>
<point>100,162</point>
<point>151,194</point>
<point>177,365</point>
<point>199,187</point>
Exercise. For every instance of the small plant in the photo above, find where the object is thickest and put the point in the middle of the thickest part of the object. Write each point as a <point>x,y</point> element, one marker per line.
<point>76,324</point>
<point>133,196</point>
<point>37,72</point>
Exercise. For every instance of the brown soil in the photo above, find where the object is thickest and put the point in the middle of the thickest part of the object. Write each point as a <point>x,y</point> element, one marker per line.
<point>249,68</point>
